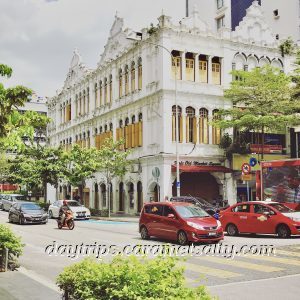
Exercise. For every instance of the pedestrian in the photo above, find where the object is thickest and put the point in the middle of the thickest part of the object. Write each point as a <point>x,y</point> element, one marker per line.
<point>166,199</point>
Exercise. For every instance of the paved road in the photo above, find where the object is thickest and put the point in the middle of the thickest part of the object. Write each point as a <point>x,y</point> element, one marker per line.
<point>229,278</point>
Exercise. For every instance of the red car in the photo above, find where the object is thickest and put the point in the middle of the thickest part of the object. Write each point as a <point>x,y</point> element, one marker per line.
<point>261,217</point>
<point>178,221</point>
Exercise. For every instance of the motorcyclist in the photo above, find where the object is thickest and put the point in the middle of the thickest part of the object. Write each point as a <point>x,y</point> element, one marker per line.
<point>62,211</point>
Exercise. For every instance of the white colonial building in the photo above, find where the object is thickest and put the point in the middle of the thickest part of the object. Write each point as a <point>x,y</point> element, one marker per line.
<point>131,94</point>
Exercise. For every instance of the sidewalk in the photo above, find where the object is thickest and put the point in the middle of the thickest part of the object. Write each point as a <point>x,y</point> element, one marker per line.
<point>118,218</point>
<point>15,285</point>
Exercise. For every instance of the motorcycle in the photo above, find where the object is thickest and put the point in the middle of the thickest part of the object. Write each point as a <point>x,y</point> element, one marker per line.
<point>68,222</point>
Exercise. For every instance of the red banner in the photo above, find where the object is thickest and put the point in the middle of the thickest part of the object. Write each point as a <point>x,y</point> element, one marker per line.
<point>257,148</point>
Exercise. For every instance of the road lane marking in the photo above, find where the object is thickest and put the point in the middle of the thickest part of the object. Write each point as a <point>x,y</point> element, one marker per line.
<point>287,253</point>
<point>209,271</point>
<point>275,259</point>
<point>240,264</point>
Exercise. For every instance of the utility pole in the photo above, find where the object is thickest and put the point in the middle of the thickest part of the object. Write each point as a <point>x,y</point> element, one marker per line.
<point>187,8</point>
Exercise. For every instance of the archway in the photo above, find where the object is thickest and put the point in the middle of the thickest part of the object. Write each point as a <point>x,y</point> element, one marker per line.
<point>103,194</point>
<point>154,192</point>
<point>202,185</point>
<point>96,199</point>
<point>131,194</point>
<point>139,196</point>
<point>121,196</point>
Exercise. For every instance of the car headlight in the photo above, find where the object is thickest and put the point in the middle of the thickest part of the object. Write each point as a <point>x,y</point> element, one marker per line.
<point>45,215</point>
<point>219,224</point>
<point>194,225</point>
<point>26,216</point>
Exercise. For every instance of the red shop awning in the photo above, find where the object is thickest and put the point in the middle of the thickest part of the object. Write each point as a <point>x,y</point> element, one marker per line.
<point>199,169</point>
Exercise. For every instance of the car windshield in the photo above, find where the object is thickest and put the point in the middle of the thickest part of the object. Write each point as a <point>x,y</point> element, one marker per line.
<point>19,197</point>
<point>30,206</point>
<point>191,211</point>
<point>73,203</point>
<point>282,208</point>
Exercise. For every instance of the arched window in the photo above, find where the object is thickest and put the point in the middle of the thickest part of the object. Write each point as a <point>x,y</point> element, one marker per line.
<point>203,75</point>
<point>76,105</point>
<point>120,134</point>
<point>84,102</point>
<point>140,74</point>
<point>96,94</point>
<point>120,84</point>
<point>191,123</point>
<point>120,123</point>
<point>203,126</point>
<point>105,91</point>
<point>110,127</point>
<point>101,129</point>
<point>100,92</point>
<point>216,70</point>
<point>80,104</point>
<point>127,134</point>
<point>126,80</point>
<point>105,128</point>
<point>174,122</point>
<point>176,64</point>
<point>139,130</point>
<point>216,131</point>
<point>132,76</point>
<point>88,99</point>
<point>110,89</point>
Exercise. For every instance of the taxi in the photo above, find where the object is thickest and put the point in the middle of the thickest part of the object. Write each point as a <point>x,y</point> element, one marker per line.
<point>260,217</point>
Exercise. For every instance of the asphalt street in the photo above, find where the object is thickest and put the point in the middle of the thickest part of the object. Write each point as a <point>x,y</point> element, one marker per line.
<point>247,277</point>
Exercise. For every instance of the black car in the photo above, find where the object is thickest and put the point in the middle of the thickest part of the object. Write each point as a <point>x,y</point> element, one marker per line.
<point>27,213</point>
<point>209,208</point>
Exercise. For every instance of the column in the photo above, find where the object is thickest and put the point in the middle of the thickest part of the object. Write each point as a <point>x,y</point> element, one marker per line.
<point>209,69</point>
<point>183,125</point>
<point>210,133</point>
<point>197,79</point>
<point>222,70</point>
<point>183,66</point>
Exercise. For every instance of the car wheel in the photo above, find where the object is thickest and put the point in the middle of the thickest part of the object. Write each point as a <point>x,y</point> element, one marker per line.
<point>9,219</point>
<point>182,238</point>
<point>283,231</point>
<point>144,233</point>
<point>232,230</point>
<point>50,214</point>
<point>21,220</point>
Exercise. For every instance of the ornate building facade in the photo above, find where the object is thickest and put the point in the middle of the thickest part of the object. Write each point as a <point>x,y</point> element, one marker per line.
<point>131,95</point>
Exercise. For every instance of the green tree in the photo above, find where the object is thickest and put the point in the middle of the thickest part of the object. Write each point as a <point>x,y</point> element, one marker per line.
<point>4,168</point>
<point>262,101</point>
<point>14,126</point>
<point>112,163</point>
<point>80,165</point>
<point>38,165</point>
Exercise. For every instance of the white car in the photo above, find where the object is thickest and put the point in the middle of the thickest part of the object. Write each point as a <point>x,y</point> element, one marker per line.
<point>79,211</point>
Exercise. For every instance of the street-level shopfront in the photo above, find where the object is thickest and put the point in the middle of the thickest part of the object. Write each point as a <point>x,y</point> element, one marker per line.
<point>246,185</point>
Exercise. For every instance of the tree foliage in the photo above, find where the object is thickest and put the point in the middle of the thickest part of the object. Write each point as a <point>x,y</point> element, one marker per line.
<point>262,101</point>
<point>36,166</point>
<point>128,279</point>
<point>80,165</point>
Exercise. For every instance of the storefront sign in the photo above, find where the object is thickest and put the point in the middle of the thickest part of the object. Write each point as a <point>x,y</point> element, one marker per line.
<point>197,163</point>
<point>258,148</point>
<point>246,177</point>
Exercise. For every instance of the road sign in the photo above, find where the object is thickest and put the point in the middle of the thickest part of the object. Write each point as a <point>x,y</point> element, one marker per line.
<point>246,177</point>
<point>246,169</point>
<point>178,184</point>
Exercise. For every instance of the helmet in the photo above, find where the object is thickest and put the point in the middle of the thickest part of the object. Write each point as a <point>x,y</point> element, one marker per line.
<point>65,202</point>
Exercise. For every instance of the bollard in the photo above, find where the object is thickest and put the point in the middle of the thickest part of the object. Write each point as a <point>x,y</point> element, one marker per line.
<point>5,259</point>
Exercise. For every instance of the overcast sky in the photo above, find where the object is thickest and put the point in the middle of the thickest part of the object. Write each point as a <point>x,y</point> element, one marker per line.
<point>37,37</point>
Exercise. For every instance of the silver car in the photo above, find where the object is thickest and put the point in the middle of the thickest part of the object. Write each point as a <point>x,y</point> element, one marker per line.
<point>1,198</point>
<point>10,199</point>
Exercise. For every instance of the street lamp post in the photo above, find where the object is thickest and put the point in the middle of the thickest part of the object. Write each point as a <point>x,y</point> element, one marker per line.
<point>176,112</point>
